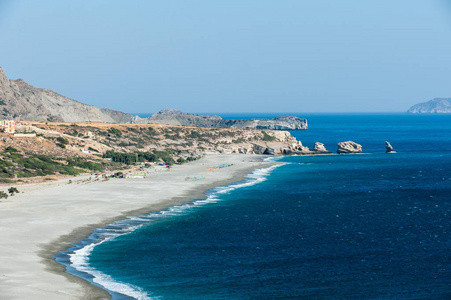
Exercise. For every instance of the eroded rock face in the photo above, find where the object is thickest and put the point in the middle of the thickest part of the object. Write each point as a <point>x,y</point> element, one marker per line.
<point>349,147</point>
<point>319,147</point>
<point>388,148</point>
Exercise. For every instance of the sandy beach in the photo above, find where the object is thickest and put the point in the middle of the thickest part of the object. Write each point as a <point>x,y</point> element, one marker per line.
<point>46,218</point>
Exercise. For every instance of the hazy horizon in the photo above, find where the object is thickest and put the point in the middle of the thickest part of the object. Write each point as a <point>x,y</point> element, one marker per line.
<point>231,57</point>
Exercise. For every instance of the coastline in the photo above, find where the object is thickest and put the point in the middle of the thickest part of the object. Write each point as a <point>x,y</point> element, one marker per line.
<point>37,224</point>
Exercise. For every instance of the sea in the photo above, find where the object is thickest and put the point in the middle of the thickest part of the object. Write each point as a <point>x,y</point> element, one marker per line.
<point>363,226</point>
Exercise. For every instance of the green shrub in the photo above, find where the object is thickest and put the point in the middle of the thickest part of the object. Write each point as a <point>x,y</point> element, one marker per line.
<point>62,140</point>
<point>267,137</point>
<point>131,158</point>
<point>10,149</point>
<point>88,165</point>
<point>3,195</point>
<point>73,133</point>
<point>238,141</point>
<point>13,190</point>
<point>194,135</point>
<point>192,158</point>
<point>115,131</point>
<point>4,180</point>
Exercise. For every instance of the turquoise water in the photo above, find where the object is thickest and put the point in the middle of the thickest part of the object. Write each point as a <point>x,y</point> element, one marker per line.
<point>371,226</point>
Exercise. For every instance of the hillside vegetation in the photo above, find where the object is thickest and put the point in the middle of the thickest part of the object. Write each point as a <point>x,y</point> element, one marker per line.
<point>73,148</point>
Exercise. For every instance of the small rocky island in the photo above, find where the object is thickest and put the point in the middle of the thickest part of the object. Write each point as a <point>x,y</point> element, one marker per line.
<point>349,147</point>
<point>389,148</point>
<point>434,106</point>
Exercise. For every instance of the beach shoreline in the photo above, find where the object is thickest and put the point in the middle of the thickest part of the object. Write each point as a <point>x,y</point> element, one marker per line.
<point>44,220</point>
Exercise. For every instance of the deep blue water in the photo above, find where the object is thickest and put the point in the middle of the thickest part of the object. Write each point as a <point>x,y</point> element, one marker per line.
<point>371,226</point>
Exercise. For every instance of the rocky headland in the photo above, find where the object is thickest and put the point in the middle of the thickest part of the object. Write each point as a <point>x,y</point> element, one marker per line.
<point>177,117</point>
<point>434,106</point>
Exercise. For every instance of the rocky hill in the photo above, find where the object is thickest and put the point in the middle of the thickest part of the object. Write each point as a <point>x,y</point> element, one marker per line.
<point>176,117</point>
<point>436,105</point>
<point>22,101</point>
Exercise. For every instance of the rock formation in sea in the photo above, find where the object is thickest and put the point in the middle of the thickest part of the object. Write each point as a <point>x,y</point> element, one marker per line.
<point>349,147</point>
<point>319,148</point>
<point>20,100</point>
<point>436,105</point>
<point>388,148</point>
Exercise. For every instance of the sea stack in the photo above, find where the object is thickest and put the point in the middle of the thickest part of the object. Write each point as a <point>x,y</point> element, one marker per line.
<point>319,148</point>
<point>349,147</point>
<point>388,148</point>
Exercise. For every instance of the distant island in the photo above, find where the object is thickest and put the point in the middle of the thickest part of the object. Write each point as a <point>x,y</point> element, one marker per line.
<point>434,106</point>
<point>20,100</point>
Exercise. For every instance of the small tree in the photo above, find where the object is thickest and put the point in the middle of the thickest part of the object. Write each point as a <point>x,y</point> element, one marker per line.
<point>3,195</point>
<point>12,191</point>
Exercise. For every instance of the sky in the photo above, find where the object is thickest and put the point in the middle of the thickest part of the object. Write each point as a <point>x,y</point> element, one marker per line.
<point>232,56</point>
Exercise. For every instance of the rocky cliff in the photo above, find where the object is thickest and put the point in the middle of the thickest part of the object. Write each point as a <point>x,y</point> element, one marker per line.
<point>176,117</point>
<point>437,105</point>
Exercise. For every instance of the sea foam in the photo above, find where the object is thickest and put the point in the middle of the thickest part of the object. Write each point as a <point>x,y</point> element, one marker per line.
<point>80,253</point>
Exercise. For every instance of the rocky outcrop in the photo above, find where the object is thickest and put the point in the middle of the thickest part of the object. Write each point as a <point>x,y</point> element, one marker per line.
<point>176,117</point>
<point>437,105</point>
<point>388,148</point>
<point>289,147</point>
<point>21,100</point>
<point>349,147</point>
<point>319,148</point>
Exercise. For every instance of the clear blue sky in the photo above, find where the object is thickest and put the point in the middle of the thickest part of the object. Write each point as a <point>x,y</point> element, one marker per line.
<point>232,56</point>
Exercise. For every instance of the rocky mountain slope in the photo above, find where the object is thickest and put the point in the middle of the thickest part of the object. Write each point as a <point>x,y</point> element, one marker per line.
<point>22,101</point>
<point>176,117</point>
<point>436,105</point>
